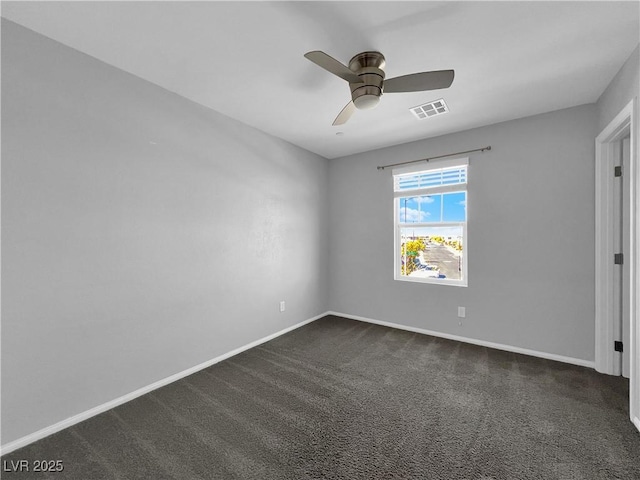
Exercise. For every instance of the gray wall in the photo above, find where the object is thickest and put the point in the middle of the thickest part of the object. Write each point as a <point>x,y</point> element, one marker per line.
<point>530,236</point>
<point>142,234</point>
<point>620,91</point>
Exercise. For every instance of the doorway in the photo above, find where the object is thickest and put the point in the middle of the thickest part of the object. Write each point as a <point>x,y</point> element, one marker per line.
<point>616,256</point>
<point>621,245</point>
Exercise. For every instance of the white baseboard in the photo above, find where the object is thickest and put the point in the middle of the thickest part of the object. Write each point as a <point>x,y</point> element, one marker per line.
<point>636,422</point>
<point>45,432</point>
<point>482,343</point>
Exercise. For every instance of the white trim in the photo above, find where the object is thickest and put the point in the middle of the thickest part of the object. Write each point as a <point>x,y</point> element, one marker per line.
<point>607,326</point>
<point>634,263</point>
<point>45,432</point>
<point>432,281</point>
<point>428,191</point>
<point>482,343</point>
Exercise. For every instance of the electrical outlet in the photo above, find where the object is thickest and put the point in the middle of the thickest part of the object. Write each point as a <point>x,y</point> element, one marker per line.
<point>282,306</point>
<point>462,312</point>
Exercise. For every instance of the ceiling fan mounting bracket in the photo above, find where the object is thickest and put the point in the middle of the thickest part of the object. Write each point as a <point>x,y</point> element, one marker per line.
<point>366,59</point>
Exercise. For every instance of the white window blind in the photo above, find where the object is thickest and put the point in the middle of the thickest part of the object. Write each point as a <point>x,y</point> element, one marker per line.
<point>431,179</point>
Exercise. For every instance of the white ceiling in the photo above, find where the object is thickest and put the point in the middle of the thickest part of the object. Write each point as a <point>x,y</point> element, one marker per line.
<point>245,59</point>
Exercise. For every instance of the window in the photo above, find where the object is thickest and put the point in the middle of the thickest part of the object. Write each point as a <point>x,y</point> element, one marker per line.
<point>430,216</point>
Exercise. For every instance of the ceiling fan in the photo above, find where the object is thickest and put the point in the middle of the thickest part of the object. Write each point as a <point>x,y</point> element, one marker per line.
<point>365,75</point>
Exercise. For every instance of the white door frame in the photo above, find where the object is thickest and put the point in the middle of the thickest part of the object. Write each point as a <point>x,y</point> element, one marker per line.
<point>606,359</point>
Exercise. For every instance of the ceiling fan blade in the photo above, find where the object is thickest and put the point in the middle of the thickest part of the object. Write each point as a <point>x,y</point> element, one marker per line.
<point>332,65</point>
<point>345,114</point>
<point>418,82</point>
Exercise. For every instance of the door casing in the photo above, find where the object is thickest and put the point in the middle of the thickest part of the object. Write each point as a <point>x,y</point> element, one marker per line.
<point>607,360</point>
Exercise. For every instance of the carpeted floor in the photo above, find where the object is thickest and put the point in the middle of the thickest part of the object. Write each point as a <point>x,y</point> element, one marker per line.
<point>341,399</point>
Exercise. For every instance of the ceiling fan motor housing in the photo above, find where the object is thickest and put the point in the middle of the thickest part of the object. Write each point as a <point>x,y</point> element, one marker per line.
<point>368,66</point>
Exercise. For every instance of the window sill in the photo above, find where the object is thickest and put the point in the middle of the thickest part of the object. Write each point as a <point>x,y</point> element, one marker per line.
<point>433,281</point>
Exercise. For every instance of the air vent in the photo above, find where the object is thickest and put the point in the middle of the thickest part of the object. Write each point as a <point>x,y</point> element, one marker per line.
<point>431,109</point>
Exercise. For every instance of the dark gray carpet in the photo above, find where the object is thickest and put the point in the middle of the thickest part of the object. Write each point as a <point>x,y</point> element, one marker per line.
<point>341,399</point>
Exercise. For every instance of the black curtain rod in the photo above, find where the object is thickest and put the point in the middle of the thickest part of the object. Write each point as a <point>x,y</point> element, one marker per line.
<point>382,167</point>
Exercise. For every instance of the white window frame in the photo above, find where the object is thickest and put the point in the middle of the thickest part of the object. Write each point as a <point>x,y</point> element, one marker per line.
<point>432,165</point>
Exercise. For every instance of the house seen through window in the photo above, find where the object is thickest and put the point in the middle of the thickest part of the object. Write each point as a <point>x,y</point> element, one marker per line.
<point>430,211</point>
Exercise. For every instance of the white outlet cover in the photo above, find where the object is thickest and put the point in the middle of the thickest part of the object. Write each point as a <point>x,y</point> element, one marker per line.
<point>461,312</point>
<point>282,306</point>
